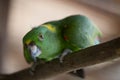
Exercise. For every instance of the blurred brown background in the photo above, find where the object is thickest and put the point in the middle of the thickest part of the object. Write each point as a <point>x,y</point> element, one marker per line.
<point>25,14</point>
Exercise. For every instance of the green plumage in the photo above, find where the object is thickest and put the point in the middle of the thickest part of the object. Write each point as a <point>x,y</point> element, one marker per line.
<point>52,38</point>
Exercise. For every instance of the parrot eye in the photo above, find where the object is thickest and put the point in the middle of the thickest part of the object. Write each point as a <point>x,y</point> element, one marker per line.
<point>40,37</point>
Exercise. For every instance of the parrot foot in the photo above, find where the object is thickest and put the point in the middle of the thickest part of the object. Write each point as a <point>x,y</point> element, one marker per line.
<point>80,73</point>
<point>32,68</point>
<point>31,72</point>
<point>65,52</point>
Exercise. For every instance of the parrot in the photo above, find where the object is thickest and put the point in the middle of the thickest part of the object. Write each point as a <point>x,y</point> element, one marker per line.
<point>57,38</point>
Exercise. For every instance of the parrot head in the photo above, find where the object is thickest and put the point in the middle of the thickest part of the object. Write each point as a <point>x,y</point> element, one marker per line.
<point>32,42</point>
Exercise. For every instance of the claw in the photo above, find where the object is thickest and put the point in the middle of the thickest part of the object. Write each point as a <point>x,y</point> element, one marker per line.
<point>32,68</point>
<point>80,73</point>
<point>31,72</point>
<point>65,52</point>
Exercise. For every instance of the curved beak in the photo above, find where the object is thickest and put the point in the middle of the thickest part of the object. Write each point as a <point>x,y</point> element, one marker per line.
<point>34,50</point>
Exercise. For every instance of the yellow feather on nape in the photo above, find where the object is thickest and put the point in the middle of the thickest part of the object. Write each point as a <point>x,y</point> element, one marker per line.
<point>28,41</point>
<point>50,27</point>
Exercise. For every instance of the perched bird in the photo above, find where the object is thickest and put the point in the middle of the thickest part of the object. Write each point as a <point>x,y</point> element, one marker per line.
<point>55,39</point>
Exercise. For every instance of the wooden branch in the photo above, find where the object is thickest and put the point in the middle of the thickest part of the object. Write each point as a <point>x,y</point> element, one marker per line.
<point>86,57</point>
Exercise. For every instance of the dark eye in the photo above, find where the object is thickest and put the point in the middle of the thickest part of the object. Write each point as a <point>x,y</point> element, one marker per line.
<point>40,37</point>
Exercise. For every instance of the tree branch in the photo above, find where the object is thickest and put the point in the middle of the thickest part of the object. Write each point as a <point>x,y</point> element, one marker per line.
<point>86,57</point>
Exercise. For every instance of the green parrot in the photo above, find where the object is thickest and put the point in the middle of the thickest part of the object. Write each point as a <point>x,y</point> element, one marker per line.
<point>55,39</point>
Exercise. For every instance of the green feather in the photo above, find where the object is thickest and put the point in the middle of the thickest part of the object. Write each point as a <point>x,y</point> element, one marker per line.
<point>74,32</point>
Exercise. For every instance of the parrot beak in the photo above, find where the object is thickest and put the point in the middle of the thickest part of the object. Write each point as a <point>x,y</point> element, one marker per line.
<point>34,50</point>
